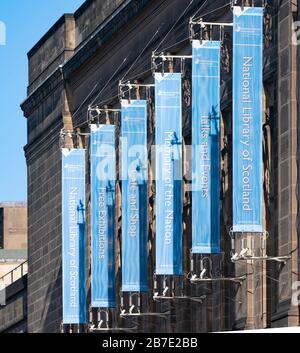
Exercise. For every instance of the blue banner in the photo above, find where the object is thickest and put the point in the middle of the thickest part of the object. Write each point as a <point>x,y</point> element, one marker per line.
<point>73,236</point>
<point>247,118</point>
<point>134,196</point>
<point>103,192</point>
<point>168,110</point>
<point>206,147</point>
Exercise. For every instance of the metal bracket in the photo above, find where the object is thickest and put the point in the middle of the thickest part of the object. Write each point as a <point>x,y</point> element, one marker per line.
<point>62,330</point>
<point>102,110</point>
<point>217,24</point>
<point>130,86</point>
<point>165,57</point>
<point>162,315</point>
<point>203,25</point>
<point>281,259</point>
<point>195,299</point>
<point>118,329</point>
<point>135,85</point>
<point>238,280</point>
<point>164,297</point>
<point>242,256</point>
<point>69,133</point>
<point>235,3</point>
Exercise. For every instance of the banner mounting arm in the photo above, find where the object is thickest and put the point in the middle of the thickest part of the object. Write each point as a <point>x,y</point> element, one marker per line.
<point>281,259</point>
<point>167,57</point>
<point>126,87</point>
<point>202,25</point>
<point>238,280</point>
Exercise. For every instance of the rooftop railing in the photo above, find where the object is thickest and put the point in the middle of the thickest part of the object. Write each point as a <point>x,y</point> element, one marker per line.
<point>15,274</point>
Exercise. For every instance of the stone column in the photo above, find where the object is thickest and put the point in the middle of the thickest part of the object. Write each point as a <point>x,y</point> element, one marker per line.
<point>285,313</point>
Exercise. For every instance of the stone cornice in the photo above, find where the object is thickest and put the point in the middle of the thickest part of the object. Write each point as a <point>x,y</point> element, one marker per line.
<point>42,91</point>
<point>113,24</point>
<point>53,29</point>
<point>110,26</point>
<point>101,36</point>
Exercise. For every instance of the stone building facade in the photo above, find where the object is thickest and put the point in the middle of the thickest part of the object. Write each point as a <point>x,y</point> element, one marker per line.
<point>13,315</point>
<point>82,54</point>
<point>13,225</point>
<point>13,267</point>
<point>13,239</point>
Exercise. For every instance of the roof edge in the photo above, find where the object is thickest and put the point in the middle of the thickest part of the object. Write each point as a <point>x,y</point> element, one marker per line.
<point>49,33</point>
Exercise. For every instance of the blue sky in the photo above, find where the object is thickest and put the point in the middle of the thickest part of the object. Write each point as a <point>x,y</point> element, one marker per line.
<point>25,21</point>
